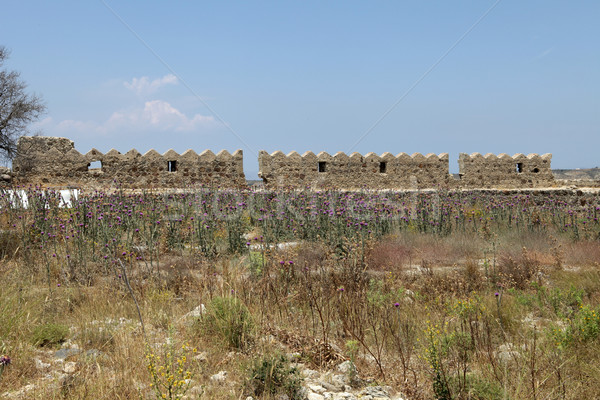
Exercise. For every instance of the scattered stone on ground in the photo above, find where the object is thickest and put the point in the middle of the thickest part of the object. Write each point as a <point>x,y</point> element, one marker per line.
<point>65,353</point>
<point>70,367</point>
<point>220,376</point>
<point>339,383</point>
<point>195,313</point>
<point>39,364</point>
<point>336,385</point>
<point>507,353</point>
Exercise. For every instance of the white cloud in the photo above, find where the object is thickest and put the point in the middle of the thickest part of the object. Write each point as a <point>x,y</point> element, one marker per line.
<point>42,124</point>
<point>144,85</point>
<point>155,116</point>
<point>74,125</point>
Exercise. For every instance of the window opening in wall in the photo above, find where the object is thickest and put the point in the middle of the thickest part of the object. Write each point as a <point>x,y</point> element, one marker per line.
<point>95,165</point>
<point>536,170</point>
<point>172,166</point>
<point>519,167</point>
<point>382,167</point>
<point>322,166</point>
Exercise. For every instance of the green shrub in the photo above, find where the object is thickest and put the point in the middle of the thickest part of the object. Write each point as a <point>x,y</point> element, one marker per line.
<point>49,335</point>
<point>256,263</point>
<point>477,388</point>
<point>587,323</point>
<point>272,375</point>
<point>229,319</point>
<point>583,328</point>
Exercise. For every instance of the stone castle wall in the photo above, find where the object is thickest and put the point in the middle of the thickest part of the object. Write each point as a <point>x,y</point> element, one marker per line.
<point>54,161</point>
<point>403,171</point>
<point>355,171</point>
<point>504,171</point>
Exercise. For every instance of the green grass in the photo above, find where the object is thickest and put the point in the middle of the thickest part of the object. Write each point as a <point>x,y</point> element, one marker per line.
<point>49,335</point>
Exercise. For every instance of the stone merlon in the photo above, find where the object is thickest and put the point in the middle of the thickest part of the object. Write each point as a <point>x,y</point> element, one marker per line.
<point>54,161</point>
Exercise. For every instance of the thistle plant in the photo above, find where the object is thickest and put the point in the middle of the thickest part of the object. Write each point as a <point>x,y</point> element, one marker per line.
<point>100,225</point>
<point>4,362</point>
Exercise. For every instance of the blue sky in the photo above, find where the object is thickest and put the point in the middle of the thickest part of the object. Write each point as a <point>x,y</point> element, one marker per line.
<point>314,75</point>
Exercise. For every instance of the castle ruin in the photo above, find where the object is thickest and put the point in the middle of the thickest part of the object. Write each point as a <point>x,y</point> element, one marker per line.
<point>504,171</point>
<point>355,171</point>
<point>52,161</point>
<point>403,171</point>
<point>55,162</point>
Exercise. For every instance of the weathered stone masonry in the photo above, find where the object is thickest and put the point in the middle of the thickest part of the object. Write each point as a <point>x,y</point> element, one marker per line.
<point>504,171</point>
<point>54,161</point>
<point>403,171</point>
<point>353,172</point>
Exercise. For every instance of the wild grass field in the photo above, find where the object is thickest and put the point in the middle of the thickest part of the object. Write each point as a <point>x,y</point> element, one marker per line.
<point>229,294</point>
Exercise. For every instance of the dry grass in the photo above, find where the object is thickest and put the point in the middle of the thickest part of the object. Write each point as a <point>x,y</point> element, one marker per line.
<point>421,309</point>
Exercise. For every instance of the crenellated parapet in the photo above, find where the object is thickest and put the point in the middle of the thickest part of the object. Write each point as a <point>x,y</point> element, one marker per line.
<point>353,171</point>
<point>504,171</point>
<point>55,161</point>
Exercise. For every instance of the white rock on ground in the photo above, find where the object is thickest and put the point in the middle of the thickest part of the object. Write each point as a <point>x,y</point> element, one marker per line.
<point>347,367</point>
<point>196,312</point>
<point>70,367</point>
<point>309,373</point>
<point>315,388</point>
<point>39,364</point>
<point>343,396</point>
<point>220,376</point>
<point>201,357</point>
